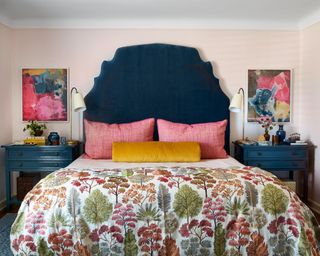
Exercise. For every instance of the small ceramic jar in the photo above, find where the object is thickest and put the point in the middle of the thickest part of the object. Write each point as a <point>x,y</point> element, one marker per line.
<point>54,138</point>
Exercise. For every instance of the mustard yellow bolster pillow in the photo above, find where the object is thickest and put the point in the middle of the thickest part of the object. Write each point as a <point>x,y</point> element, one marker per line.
<point>155,151</point>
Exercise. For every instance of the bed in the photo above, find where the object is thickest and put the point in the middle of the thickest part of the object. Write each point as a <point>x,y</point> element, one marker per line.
<point>211,207</point>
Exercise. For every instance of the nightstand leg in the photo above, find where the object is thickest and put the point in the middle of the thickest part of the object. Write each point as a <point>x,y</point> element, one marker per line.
<point>305,186</point>
<point>291,175</point>
<point>8,189</point>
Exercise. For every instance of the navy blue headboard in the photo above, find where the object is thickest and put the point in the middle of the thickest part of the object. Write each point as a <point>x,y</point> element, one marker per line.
<point>157,80</point>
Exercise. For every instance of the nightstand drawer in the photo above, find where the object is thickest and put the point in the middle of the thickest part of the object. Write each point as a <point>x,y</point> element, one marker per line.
<point>40,154</point>
<point>32,165</point>
<point>283,154</point>
<point>289,165</point>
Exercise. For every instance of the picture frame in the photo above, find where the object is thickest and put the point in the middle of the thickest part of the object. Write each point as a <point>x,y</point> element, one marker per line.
<point>45,94</point>
<point>270,95</point>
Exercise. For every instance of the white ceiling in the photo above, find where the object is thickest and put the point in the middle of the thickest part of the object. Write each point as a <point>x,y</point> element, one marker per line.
<point>220,14</point>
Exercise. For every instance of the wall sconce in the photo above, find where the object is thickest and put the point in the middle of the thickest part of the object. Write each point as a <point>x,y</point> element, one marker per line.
<point>237,105</point>
<point>77,105</point>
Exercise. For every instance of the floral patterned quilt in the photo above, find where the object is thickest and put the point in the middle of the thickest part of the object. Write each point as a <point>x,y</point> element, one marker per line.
<point>163,211</point>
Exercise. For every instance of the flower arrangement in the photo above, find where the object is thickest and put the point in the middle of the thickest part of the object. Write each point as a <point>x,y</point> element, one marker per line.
<point>267,124</point>
<point>35,128</point>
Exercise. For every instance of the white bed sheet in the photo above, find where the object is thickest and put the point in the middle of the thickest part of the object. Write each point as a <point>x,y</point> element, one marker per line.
<point>83,163</point>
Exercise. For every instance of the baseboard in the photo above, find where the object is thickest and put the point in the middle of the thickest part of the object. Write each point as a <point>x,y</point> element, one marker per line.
<point>314,206</point>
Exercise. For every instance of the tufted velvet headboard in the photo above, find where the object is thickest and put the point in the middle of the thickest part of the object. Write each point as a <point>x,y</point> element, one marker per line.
<point>157,80</point>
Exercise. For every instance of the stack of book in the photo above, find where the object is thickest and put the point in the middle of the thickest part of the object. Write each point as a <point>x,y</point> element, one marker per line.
<point>37,140</point>
<point>299,142</point>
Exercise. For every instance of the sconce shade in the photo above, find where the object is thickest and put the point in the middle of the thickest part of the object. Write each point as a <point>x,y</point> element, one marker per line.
<point>78,102</point>
<point>236,103</point>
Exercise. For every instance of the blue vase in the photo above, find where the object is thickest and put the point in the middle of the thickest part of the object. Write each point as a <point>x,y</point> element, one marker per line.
<point>54,138</point>
<point>281,133</point>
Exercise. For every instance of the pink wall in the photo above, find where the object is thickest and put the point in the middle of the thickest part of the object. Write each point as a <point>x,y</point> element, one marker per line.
<point>5,98</point>
<point>309,94</point>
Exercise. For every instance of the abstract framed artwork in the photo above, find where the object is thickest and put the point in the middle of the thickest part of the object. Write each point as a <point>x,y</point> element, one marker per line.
<point>45,94</point>
<point>269,94</point>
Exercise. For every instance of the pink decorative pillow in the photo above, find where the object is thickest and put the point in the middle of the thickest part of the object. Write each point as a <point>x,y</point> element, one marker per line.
<point>99,136</point>
<point>210,136</point>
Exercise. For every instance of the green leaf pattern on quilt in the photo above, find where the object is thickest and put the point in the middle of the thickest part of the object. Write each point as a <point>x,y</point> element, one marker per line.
<point>219,240</point>
<point>274,200</point>
<point>130,246</point>
<point>97,207</point>
<point>187,202</point>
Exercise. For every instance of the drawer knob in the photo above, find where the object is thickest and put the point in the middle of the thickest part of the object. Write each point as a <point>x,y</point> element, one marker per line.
<point>20,164</point>
<point>259,154</point>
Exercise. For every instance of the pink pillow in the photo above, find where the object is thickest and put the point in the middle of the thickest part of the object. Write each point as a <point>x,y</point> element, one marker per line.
<point>210,136</point>
<point>99,136</point>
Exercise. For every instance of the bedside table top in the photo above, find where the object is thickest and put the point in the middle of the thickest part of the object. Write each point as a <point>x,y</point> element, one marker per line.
<point>16,146</point>
<point>279,146</point>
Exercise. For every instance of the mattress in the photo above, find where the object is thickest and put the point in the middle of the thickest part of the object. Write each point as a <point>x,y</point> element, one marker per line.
<point>84,162</point>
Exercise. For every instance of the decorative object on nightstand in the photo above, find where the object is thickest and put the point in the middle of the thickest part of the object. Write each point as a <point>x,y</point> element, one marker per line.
<point>293,137</point>
<point>237,105</point>
<point>31,158</point>
<point>78,105</point>
<point>299,143</point>
<point>54,138</point>
<point>281,133</point>
<point>267,125</point>
<point>35,128</point>
<point>36,140</point>
<point>63,140</point>
<point>275,140</point>
<point>277,158</point>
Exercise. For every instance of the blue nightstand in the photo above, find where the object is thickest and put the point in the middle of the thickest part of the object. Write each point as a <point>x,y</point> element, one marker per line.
<point>29,158</point>
<point>276,158</point>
